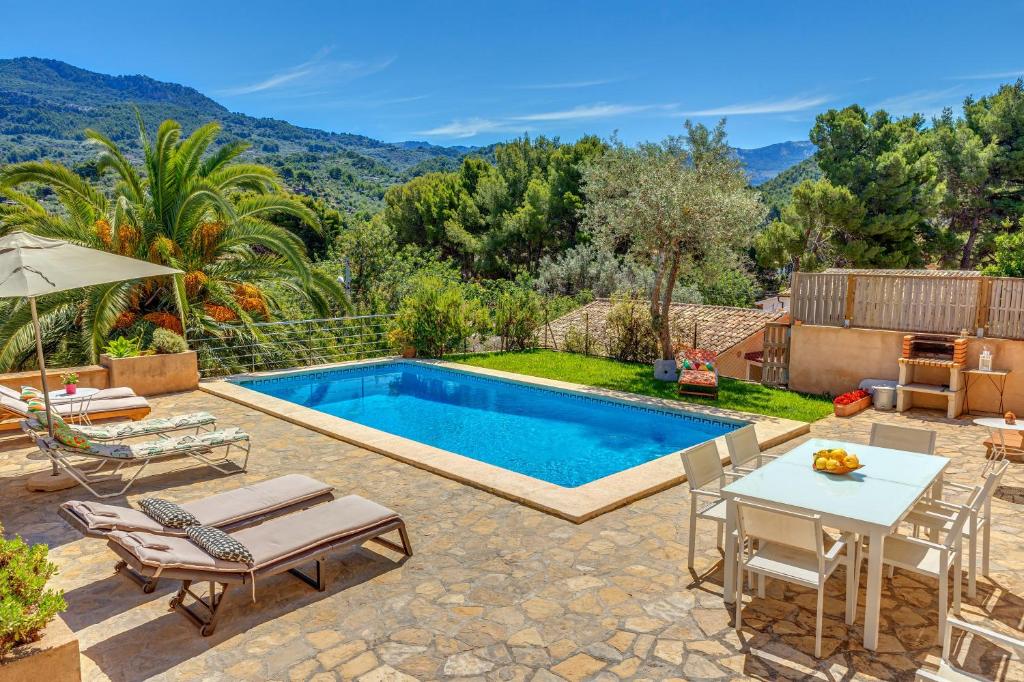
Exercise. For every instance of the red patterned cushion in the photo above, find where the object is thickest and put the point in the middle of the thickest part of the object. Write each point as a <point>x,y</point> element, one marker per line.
<point>698,377</point>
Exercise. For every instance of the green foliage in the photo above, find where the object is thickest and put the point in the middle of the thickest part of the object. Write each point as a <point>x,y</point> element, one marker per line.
<point>631,337</point>
<point>589,267</point>
<point>165,341</point>
<point>889,168</point>
<point>813,228</point>
<point>517,318</point>
<point>636,378</point>
<point>123,347</point>
<point>777,191</point>
<point>436,317</point>
<point>1008,257</point>
<point>26,606</point>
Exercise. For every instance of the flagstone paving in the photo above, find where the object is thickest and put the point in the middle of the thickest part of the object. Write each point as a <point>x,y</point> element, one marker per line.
<point>495,590</point>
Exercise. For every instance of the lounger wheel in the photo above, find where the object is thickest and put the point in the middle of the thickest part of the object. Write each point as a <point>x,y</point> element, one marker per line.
<point>175,602</point>
<point>119,566</point>
<point>206,630</point>
<point>149,587</point>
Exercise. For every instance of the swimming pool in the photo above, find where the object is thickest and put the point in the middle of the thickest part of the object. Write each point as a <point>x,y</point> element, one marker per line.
<point>563,438</point>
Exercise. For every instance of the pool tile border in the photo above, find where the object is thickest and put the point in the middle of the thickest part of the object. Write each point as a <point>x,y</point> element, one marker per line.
<point>573,504</point>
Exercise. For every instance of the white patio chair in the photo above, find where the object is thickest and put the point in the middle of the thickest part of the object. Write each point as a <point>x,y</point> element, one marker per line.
<point>903,438</point>
<point>703,467</point>
<point>948,670</point>
<point>940,515</point>
<point>744,451</point>
<point>925,557</point>
<point>790,546</point>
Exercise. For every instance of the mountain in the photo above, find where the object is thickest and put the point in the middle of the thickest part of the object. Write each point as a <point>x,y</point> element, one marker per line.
<point>776,192</point>
<point>764,163</point>
<point>45,105</point>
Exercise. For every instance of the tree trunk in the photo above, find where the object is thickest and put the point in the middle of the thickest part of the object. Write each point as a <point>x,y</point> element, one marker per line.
<point>665,330</point>
<point>965,258</point>
<point>659,275</point>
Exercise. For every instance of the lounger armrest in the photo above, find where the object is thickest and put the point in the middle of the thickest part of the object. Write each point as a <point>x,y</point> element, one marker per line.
<point>991,635</point>
<point>837,547</point>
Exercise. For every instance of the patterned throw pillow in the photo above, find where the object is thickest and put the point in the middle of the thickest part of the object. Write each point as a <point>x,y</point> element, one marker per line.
<point>68,436</point>
<point>167,513</point>
<point>35,405</point>
<point>219,544</point>
<point>27,392</point>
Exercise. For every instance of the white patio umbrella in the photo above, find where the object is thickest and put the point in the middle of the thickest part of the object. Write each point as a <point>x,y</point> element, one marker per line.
<point>32,266</point>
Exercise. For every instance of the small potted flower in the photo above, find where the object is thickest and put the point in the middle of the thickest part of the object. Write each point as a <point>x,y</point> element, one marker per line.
<point>70,381</point>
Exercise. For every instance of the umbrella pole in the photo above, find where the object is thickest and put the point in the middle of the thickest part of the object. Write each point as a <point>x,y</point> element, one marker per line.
<point>42,370</point>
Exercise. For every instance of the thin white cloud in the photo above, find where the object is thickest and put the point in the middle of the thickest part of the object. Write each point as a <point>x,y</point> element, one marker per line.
<point>920,101</point>
<point>989,76</point>
<point>591,111</point>
<point>568,85</point>
<point>314,73</point>
<point>468,127</point>
<point>781,106</point>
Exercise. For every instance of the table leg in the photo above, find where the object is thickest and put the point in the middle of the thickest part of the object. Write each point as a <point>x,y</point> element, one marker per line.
<point>936,493</point>
<point>729,583</point>
<point>872,607</point>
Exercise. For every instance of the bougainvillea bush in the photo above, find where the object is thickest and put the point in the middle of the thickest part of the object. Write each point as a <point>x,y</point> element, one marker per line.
<point>26,606</point>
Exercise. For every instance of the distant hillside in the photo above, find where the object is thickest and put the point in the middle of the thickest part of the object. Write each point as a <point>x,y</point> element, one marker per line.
<point>777,191</point>
<point>46,104</point>
<point>764,163</point>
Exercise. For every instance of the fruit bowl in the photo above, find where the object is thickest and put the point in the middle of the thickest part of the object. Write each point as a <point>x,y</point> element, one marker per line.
<point>835,461</point>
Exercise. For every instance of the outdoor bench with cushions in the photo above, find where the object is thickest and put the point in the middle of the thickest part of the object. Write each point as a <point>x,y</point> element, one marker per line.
<point>695,377</point>
<point>107,404</point>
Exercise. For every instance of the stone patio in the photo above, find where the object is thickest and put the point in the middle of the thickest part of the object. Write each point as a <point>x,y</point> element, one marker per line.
<point>496,590</point>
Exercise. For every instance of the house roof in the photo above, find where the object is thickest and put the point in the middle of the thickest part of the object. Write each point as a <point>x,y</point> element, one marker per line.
<point>719,328</point>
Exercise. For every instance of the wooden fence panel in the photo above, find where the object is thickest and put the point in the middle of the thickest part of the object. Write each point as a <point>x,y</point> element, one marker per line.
<point>926,304</point>
<point>1006,308</point>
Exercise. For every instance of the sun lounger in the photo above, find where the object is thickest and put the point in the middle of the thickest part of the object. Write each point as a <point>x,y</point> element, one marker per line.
<point>280,545</point>
<point>110,403</point>
<point>231,510</point>
<point>198,447</point>
<point>695,377</point>
<point>114,433</point>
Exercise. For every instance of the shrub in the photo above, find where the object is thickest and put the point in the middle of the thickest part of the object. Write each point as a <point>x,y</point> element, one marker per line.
<point>575,341</point>
<point>436,317</point>
<point>517,317</point>
<point>166,341</point>
<point>26,606</point>
<point>123,347</point>
<point>631,337</point>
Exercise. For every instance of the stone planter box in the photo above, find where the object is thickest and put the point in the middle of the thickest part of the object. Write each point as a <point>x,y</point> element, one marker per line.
<point>54,657</point>
<point>154,374</point>
<point>853,408</point>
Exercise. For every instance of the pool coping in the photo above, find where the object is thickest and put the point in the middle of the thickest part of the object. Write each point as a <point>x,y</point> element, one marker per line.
<point>573,504</point>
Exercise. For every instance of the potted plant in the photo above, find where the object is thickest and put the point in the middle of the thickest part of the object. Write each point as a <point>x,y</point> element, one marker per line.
<point>70,381</point>
<point>167,366</point>
<point>851,402</point>
<point>34,643</point>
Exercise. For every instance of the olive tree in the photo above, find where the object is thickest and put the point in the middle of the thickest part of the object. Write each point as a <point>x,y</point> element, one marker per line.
<point>676,206</point>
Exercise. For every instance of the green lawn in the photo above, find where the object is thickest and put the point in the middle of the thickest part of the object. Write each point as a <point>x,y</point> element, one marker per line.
<point>636,378</point>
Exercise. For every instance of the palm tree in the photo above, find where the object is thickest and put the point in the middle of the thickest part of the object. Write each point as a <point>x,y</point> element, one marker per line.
<point>189,207</point>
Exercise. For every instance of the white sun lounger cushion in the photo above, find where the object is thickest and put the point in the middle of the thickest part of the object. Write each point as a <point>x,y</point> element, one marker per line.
<point>166,446</point>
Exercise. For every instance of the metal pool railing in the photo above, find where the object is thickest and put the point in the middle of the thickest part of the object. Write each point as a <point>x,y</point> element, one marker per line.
<point>293,343</point>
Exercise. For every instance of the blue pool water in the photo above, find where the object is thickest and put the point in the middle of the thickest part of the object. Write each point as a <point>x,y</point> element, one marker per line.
<point>561,438</point>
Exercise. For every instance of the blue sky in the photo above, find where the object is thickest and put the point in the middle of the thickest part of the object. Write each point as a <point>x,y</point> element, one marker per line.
<point>479,72</point>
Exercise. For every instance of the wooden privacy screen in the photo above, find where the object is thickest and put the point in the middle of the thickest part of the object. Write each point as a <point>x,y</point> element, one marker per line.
<point>918,303</point>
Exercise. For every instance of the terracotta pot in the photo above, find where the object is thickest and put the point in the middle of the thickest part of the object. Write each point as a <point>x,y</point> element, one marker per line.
<point>408,352</point>
<point>853,408</point>
<point>70,388</point>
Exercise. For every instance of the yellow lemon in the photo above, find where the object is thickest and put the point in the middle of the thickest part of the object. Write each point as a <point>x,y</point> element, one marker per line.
<point>851,461</point>
<point>821,463</point>
<point>832,464</point>
<point>839,453</point>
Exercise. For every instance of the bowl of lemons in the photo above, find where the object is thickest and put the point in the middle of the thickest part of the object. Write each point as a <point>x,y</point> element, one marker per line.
<point>836,461</point>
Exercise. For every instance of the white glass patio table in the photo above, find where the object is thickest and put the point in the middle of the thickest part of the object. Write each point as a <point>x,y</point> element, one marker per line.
<point>870,502</point>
